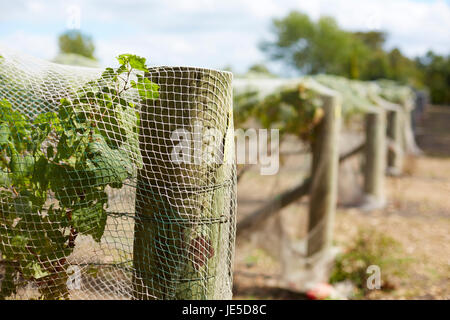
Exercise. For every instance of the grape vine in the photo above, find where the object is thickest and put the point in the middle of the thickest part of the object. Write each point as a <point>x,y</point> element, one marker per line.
<point>54,170</point>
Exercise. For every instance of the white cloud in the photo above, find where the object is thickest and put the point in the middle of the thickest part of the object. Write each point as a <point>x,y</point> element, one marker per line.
<point>41,46</point>
<point>413,26</point>
<point>213,33</point>
<point>204,50</point>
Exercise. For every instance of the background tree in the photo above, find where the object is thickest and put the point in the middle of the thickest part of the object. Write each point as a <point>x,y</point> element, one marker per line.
<point>403,69</point>
<point>373,39</point>
<point>313,47</point>
<point>76,42</point>
<point>376,66</point>
<point>261,70</point>
<point>436,73</point>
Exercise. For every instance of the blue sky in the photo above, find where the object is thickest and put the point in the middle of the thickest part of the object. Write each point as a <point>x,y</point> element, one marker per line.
<point>211,33</point>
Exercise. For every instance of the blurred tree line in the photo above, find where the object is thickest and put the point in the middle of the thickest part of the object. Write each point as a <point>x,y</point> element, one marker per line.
<point>73,41</point>
<point>323,47</point>
<point>76,48</point>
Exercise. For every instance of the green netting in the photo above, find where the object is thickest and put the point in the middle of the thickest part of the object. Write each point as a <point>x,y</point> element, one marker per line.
<point>291,105</point>
<point>354,94</point>
<point>115,183</point>
<point>393,92</point>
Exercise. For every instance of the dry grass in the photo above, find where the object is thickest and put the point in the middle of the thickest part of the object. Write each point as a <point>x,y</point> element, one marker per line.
<point>418,217</point>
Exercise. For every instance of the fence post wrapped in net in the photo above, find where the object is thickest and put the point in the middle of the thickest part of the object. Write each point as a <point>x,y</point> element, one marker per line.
<point>113,185</point>
<point>404,96</point>
<point>394,132</point>
<point>323,193</point>
<point>411,146</point>
<point>375,159</point>
<point>184,233</point>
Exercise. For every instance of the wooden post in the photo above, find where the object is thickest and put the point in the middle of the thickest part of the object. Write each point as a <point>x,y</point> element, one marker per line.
<point>323,192</point>
<point>396,152</point>
<point>375,159</point>
<point>410,145</point>
<point>185,225</point>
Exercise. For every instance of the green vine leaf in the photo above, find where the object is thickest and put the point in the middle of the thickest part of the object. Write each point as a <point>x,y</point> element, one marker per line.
<point>90,221</point>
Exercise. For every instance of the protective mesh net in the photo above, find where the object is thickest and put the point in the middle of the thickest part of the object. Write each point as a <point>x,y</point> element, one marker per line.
<point>297,108</point>
<point>290,104</point>
<point>116,183</point>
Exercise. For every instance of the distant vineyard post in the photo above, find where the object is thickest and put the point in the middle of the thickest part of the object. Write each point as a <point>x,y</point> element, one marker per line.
<point>323,191</point>
<point>394,133</point>
<point>410,145</point>
<point>375,158</point>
